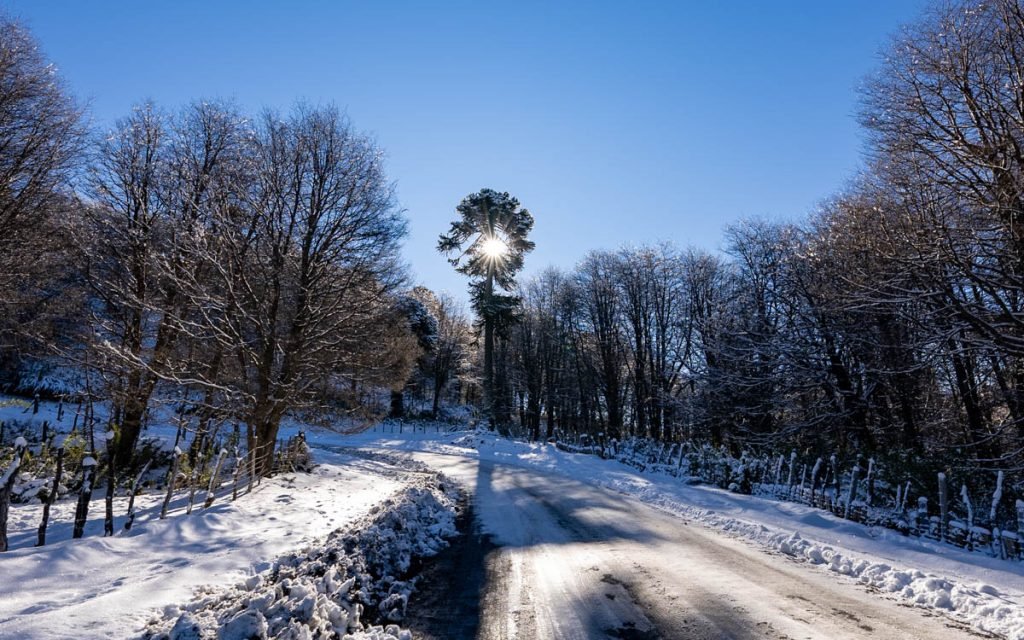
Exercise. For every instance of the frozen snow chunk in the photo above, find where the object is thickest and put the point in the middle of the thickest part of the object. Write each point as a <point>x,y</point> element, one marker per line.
<point>897,580</point>
<point>171,611</point>
<point>943,601</point>
<point>393,607</point>
<point>299,591</point>
<point>987,589</point>
<point>338,616</point>
<point>247,625</point>
<point>295,631</point>
<point>936,584</point>
<point>263,600</point>
<point>186,627</point>
<point>305,608</point>
<point>815,555</point>
<point>393,630</point>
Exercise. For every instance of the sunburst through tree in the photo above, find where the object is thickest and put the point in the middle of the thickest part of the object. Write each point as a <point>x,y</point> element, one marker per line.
<point>488,242</point>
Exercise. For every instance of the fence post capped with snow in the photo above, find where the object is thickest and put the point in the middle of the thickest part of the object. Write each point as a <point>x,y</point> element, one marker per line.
<point>943,506</point>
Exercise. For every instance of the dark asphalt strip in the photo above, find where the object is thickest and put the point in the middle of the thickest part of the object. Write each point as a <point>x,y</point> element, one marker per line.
<point>446,604</point>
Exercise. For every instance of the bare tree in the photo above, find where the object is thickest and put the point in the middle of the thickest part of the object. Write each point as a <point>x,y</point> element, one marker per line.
<point>452,344</point>
<point>41,136</point>
<point>302,270</point>
<point>602,307</point>
<point>157,187</point>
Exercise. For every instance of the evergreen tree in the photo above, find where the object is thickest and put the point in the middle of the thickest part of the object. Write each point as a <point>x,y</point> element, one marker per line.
<point>487,243</point>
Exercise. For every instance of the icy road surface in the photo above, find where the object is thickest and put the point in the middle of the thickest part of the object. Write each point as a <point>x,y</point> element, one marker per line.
<point>562,558</point>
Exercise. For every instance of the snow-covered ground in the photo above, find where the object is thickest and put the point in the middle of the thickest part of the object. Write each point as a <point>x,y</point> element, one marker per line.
<point>99,587</point>
<point>148,578</point>
<point>985,592</point>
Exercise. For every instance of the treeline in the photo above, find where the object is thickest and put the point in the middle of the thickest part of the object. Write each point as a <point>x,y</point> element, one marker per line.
<point>242,268</point>
<point>889,323</point>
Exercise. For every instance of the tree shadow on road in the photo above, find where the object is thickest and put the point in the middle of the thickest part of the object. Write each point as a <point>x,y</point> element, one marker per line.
<point>455,585</point>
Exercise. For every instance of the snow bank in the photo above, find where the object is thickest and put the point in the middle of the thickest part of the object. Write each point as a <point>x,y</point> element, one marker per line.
<point>360,573</point>
<point>980,604</point>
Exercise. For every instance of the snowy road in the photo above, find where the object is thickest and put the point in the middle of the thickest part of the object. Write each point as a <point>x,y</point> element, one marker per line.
<point>565,559</point>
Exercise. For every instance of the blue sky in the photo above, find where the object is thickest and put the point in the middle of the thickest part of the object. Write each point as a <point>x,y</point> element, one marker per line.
<point>613,122</point>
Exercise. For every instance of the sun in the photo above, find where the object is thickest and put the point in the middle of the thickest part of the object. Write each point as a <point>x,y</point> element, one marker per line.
<point>494,248</point>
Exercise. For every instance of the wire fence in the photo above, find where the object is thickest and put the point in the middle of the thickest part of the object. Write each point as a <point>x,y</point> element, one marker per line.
<point>976,512</point>
<point>42,470</point>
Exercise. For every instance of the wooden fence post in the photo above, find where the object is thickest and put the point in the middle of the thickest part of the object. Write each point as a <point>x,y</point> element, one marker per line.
<point>193,480</point>
<point>789,476</point>
<point>997,496</point>
<point>252,462</point>
<point>130,520</point>
<point>7,485</point>
<point>108,516</point>
<point>51,497</point>
<point>171,479</point>
<point>922,514</point>
<point>239,461</point>
<point>943,506</point>
<point>852,494</point>
<point>1020,519</point>
<point>969,537</point>
<point>869,483</point>
<point>213,479</point>
<point>814,478</point>
<point>84,496</point>
<point>837,489</point>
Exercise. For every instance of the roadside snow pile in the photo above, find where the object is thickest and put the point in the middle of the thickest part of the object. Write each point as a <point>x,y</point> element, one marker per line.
<point>980,605</point>
<point>360,573</point>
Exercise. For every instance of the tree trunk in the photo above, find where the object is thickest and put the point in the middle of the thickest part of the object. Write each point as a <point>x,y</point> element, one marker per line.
<point>489,408</point>
<point>397,404</point>
<point>6,486</point>
<point>435,406</point>
<point>128,436</point>
<point>264,440</point>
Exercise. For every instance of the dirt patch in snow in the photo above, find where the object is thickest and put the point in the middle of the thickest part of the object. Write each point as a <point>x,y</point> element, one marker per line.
<point>447,604</point>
